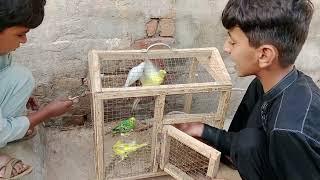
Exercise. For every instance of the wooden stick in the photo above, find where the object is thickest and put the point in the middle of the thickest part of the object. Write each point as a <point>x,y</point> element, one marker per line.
<point>219,67</point>
<point>165,149</point>
<point>98,137</point>
<point>176,172</point>
<point>188,97</point>
<point>114,93</point>
<point>213,167</point>
<point>154,54</point>
<point>98,113</point>
<point>224,102</point>
<point>187,118</point>
<point>143,176</point>
<point>157,129</point>
<point>94,71</point>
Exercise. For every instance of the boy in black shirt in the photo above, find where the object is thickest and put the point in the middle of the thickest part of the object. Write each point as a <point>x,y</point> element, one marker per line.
<point>275,133</point>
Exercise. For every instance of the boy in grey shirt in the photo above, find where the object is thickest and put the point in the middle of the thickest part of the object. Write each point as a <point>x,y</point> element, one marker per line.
<point>17,17</point>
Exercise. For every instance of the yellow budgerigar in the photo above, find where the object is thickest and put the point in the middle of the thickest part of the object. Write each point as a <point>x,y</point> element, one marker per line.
<point>124,149</point>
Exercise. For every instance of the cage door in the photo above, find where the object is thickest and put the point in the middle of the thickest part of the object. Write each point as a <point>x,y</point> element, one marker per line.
<point>186,158</point>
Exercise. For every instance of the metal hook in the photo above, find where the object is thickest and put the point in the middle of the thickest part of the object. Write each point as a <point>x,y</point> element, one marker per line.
<point>157,44</point>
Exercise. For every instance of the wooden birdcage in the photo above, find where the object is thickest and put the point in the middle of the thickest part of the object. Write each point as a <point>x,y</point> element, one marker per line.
<point>197,88</point>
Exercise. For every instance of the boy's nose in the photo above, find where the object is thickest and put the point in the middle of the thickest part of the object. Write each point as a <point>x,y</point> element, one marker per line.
<point>23,39</point>
<point>226,47</point>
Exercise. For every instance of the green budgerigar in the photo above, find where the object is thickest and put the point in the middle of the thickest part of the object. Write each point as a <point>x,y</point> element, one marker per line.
<point>124,149</point>
<point>125,126</point>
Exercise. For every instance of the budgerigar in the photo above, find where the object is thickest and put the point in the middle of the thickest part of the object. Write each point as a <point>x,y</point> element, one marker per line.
<point>135,74</point>
<point>147,73</point>
<point>125,126</point>
<point>150,76</point>
<point>124,149</point>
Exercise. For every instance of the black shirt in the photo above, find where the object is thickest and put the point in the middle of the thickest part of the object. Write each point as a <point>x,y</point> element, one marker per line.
<point>290,116</point>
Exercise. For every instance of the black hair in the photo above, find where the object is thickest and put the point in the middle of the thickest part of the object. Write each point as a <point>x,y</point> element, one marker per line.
<point>281,23</point>
<point>26,13</point>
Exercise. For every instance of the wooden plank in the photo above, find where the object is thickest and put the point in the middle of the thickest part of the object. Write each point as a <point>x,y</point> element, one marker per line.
<point>176,172</point>
<point>154,54</point>
<point>98,137</point>
<point>165,149</point>
<point>191,142</point>
<point>143,176</point>
<point>157,129</point>
<point>224,102</point>
<point>113,93</point>
<point>217,62</point>
<point>215,67</point>
<point>213,166</point>
<point>94,72</point>
<point>187,118</point>
<point>97,110</point>
<point>188,97</point>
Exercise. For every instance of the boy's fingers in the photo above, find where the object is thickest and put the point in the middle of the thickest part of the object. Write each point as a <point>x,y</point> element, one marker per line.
<point>68,103</point>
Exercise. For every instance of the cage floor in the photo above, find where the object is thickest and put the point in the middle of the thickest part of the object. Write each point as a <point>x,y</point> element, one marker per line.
<point>138,162</point>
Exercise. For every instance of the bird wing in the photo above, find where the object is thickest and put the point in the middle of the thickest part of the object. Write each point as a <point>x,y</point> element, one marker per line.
<point>150,69</point>
<point>135,74</point>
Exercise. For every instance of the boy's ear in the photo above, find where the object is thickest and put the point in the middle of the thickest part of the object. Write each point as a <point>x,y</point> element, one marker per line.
<point>268,54</point>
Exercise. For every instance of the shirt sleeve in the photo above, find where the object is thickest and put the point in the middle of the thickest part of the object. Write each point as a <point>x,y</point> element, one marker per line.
<point>294,156</point>
<point>248,102</point>
<point>12,128</point>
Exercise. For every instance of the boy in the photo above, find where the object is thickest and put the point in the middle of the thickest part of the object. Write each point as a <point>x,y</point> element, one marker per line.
<point>17,17</point>
<point>275,133</point>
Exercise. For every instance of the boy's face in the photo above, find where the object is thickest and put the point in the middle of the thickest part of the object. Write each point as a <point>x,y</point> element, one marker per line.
<point>244,56</point>
<point>12,37</point>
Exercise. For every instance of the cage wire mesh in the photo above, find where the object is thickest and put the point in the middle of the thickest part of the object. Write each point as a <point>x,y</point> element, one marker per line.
<point>139,161</point>
<point>201,103</point>
<point>188,160</point>
<point>114,72</point>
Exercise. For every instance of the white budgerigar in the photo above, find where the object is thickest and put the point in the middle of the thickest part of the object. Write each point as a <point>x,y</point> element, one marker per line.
<point>148,74</point>
<point>135,74</point>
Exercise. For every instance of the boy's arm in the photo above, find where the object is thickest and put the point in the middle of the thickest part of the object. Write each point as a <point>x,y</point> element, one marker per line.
<point>53,109</point>
<point>12,128</point>
<point>292,157</point>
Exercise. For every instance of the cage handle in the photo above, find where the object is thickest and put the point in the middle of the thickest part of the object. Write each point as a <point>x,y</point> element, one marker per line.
<point>158,44</point>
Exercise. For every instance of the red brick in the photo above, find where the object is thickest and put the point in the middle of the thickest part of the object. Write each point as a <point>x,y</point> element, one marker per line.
<point>166,27</point>
<point>151,27</point>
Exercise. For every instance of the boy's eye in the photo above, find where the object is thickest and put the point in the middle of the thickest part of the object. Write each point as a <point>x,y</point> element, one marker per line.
<point>232,43</point>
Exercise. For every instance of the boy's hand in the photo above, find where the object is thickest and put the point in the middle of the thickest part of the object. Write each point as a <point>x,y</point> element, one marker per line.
<point>58,107</point>
<point>32,104</point>
<point>192,129</point>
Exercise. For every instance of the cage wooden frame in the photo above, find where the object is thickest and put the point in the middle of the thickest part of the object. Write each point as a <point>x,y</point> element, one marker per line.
<point>214,66</point>
<point>212,154</point>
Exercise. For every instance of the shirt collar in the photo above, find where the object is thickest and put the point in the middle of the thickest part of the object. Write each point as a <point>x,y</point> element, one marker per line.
<point>281,86</point>
<point>5,61</point>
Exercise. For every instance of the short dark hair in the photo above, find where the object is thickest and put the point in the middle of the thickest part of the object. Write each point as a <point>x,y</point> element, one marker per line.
<point>27,13</point>
<point>282,23</point>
